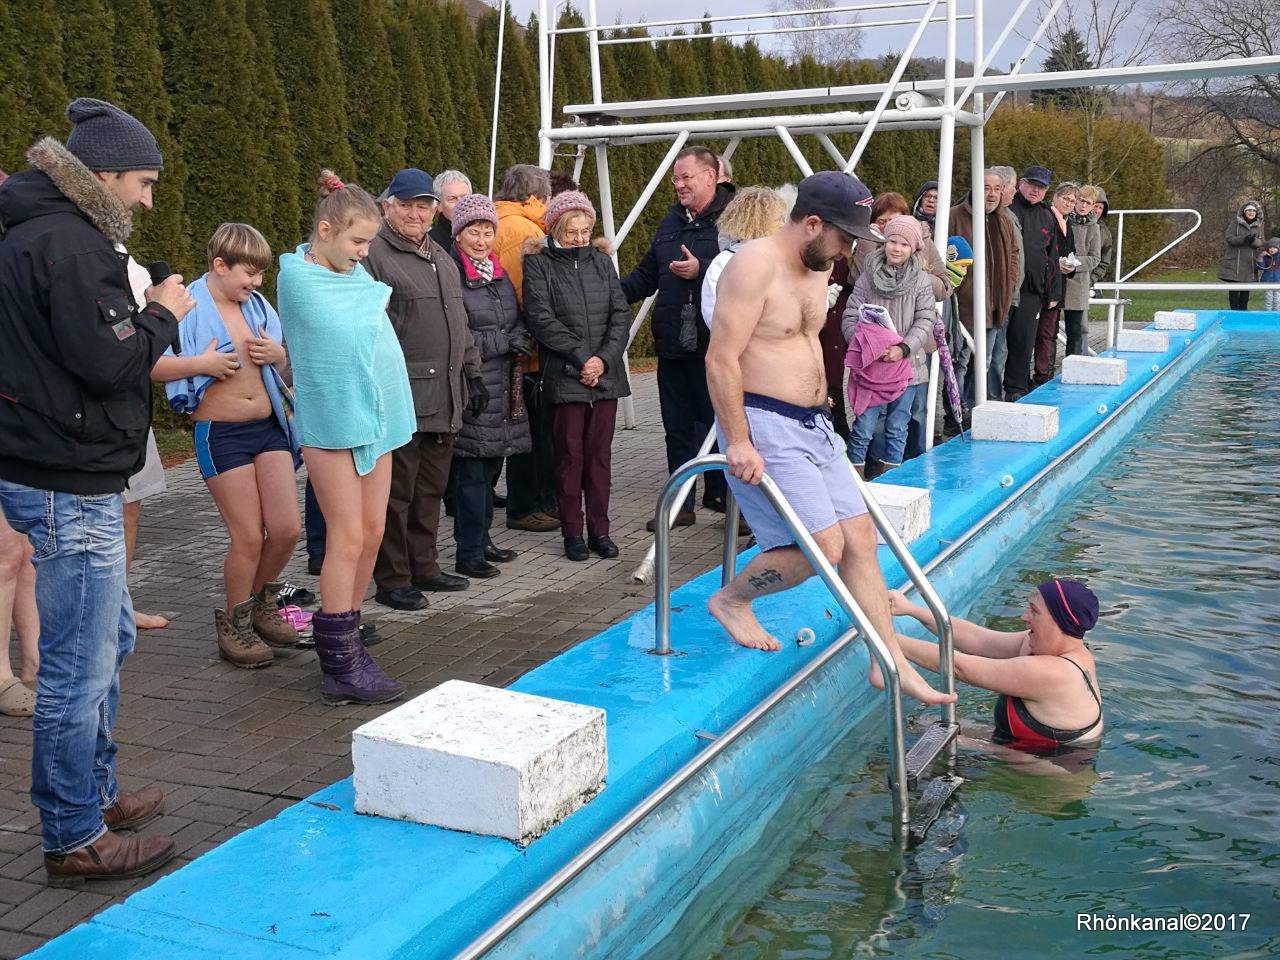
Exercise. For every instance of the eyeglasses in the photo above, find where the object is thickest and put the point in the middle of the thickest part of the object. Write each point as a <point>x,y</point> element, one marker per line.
<point>687,178</point>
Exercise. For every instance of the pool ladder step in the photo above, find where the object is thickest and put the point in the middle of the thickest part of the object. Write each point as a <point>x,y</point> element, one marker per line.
<point>934,740</point>
<point>927,806</point>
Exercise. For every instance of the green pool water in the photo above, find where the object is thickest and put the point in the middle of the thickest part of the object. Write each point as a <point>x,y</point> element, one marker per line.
<point>1178,813</point>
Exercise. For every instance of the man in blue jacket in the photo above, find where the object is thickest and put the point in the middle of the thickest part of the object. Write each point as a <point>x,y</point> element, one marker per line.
<point>683,247</point>
<point>75,408</point>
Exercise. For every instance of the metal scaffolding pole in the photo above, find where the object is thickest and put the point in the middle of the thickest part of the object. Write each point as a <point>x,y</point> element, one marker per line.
<point>977,188</point>
<point>544,86</point>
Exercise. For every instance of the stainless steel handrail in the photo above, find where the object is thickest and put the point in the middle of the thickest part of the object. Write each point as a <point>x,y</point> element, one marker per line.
<point>825,571</point>
<point>916,579</point>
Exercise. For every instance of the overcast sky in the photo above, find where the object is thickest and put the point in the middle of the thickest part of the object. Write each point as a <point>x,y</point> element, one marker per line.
<point>875,42</point>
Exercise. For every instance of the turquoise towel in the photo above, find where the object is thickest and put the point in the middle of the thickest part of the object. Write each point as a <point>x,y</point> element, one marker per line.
<point>333,323</point>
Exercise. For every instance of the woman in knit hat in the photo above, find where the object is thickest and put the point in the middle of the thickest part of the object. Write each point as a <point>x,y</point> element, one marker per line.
<point>501,428</point>
<point>579,315</point>
<point>893,278</point>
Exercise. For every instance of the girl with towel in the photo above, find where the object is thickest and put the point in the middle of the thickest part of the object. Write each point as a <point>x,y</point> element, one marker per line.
<point>353,408</point>
<point>893,278</point>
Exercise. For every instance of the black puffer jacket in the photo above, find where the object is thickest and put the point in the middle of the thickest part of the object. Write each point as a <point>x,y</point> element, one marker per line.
<point>576,310</point>
<point>653,275</point>
<point>496,326</point>
<point>1039,240</point>
<point>76,352</point>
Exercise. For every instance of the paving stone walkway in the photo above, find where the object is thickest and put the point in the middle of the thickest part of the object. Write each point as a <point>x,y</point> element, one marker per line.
<point>232,748</point>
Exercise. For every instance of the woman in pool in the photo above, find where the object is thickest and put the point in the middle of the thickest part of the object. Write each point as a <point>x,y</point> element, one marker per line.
<point>353,408</point>
<point>1045,675</point>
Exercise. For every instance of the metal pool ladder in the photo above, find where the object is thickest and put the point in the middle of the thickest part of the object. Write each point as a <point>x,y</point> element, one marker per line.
<point>906,767</point>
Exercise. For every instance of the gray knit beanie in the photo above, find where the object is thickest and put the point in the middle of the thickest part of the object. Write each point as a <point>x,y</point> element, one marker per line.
<point>104,137</point>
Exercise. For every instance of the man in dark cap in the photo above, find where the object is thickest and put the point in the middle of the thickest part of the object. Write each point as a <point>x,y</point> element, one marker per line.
<point>75,408</point>
<point>1039,240</point>
<point>1045,675</point>
<point>430,319</point>
<point>765,373</point>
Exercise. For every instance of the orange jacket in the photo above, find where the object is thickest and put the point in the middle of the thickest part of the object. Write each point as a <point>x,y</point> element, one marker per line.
<point>518,222</point>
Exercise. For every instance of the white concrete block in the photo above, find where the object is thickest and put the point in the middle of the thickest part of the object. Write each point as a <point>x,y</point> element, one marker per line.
<point>1174,320</point>
<point>1105,370</point>
<point>470,757</point>
<point>1142,341</point>
<point>1029,422</point>
<point>906,507</point>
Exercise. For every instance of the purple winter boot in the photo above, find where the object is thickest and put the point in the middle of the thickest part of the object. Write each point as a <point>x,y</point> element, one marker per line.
<point>348,673</point>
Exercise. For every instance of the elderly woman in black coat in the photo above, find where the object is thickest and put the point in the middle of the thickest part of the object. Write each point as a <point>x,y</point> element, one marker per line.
<point>1241,244</point>
<point>579,315</point>
<point>502,426</point>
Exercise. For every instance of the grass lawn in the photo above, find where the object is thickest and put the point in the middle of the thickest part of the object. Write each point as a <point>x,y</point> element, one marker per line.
<point>174,444</point>
<point>1145,304</point>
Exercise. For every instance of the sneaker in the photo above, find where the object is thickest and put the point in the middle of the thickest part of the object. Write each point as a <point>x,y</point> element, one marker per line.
<point>292,594</point>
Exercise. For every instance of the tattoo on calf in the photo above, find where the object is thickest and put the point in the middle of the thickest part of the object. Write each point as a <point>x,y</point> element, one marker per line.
<point>764,579</point>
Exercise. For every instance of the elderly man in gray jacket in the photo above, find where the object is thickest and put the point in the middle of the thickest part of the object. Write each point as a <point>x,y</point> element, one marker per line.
<point>428,315</point>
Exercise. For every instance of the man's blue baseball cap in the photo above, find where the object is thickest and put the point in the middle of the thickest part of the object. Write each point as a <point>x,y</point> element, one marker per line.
<point>411,183</point>
<point>1040,175</point>
<point>839,199</point>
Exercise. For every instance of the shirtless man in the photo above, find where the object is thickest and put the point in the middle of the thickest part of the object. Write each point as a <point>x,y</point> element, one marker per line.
<point>764,369</point>
<point>245,443</point>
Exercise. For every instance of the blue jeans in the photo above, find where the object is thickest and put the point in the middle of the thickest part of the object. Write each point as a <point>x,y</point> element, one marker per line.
<point>86,631</point>
<point>891,419</point>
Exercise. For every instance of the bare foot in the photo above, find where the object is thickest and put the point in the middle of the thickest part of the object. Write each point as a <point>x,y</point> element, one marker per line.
<point>149,621</point>
<point>912,684</point>
<point>740,623</point>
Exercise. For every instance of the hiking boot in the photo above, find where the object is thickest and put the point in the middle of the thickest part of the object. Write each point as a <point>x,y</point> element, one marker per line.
<point>110,857</point>
<point>266,619</point>
<point>134,810</point>
<point>348,673</point>
<point>237,643</point>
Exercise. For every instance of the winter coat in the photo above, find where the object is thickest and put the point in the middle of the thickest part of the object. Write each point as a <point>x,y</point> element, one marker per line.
<point>913,314</point>
<point>916,212</point>
<point>442,232</point>
<point>652,273</point>
<point>1001,264</point>
<point>1269,264</point>
<point>1019,258</point>
<point>430,320</point>
<point>576,310</point>
<point>495,323</point>
<point>1240,249</point>
<point>518,222</point>
<point>1086,241</point>
<point>1039,236</point>
<point>1063,244</point>
<point>75,387</point>
<point>1104,269</point>
<point>931,263</point>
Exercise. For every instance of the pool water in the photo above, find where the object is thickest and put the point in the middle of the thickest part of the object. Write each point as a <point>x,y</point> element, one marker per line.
<point>1178,812</point>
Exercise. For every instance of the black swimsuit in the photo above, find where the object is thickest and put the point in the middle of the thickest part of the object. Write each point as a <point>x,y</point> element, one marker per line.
<point>1015,724</point>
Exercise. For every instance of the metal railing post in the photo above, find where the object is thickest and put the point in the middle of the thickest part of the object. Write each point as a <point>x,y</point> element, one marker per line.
<point>729,556</point>
<point>880,652</point>
<point>644,572</point>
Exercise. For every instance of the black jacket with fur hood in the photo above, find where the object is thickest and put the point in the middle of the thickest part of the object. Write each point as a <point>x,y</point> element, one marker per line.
<point>75,389</point>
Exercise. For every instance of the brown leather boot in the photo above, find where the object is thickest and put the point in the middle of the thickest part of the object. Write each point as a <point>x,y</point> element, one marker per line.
<point>134,810</point>
<point>110,857</point>
<point>237,643</point>
<point>266,619</point>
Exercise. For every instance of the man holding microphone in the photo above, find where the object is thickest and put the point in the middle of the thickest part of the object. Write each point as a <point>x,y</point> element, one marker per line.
<point>75,408</point>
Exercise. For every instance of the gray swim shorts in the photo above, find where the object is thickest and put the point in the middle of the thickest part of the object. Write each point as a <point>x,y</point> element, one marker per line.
<point>806,458</point>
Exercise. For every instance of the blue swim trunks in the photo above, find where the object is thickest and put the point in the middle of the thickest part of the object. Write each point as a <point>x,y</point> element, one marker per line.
<point>806,458</point>
<point>222,446</point>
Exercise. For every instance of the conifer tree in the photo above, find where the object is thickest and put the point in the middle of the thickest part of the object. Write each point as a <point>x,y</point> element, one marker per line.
<point>426,20</point>
<point>421,141</point>
<point>15,119</point>
<point>88,60</point>
<point>460,63</point>
<point>42,79</point>
<point>375,115</point>
<point>161,233</point>
<point>518,93</point>
<point>281,208</point>
<point>306,57</point>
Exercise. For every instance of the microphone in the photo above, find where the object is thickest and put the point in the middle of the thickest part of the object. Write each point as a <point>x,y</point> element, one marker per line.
<point>159,272</point>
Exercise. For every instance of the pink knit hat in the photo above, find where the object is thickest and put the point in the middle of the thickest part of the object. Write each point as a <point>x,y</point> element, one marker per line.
<point>567,202</point>
<point>473,207</point>
<point>904,228</point>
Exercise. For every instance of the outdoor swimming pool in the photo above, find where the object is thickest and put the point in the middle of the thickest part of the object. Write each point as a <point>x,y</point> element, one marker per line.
<point>1180,536</point>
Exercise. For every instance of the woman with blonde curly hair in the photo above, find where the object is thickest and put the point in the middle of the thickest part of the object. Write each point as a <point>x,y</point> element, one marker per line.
<point>754,212</point>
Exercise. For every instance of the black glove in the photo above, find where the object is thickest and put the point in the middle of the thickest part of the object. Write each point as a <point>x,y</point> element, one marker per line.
<point>477,395</point>
<point>521,343</point>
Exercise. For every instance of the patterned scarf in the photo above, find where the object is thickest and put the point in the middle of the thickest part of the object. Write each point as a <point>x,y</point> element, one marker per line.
<point>483,267</point>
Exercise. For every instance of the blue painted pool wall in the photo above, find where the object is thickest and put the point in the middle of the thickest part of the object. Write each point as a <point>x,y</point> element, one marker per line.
<point>321,880</point>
